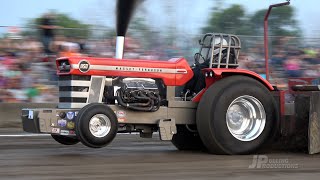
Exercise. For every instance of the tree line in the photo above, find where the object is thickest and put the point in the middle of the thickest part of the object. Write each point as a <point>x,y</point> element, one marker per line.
<point>235,20</point>
<point>231,20</point>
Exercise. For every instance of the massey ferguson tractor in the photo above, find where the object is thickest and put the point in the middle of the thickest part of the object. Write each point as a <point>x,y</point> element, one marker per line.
<point>220,108</point>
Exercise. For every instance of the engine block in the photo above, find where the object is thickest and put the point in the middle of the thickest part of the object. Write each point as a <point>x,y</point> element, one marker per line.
<point>139,94</point>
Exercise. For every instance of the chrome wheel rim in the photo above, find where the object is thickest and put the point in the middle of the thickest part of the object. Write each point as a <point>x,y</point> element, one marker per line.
<point>246,118</point>
<point>99,125</point>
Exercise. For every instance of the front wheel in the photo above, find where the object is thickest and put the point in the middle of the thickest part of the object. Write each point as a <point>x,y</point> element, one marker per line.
<point>96,125</point>
<point>65,140</point>
<point>236,115</point>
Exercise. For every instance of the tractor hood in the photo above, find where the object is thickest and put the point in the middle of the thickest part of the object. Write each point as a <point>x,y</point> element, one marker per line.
<point>174,72</point>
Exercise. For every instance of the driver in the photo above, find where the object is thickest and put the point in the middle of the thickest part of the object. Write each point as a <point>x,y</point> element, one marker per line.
<point>197,83</point>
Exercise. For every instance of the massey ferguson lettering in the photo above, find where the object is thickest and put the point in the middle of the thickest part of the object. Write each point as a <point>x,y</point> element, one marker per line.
<point>138,69</point>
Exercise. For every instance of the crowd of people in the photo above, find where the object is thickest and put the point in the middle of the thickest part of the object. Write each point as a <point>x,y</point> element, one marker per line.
<point>286,62</point>
<point>24,74</point>
<point>27,64</point>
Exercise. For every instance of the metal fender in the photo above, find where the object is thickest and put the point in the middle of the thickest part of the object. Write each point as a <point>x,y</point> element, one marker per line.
<point>215,74</point>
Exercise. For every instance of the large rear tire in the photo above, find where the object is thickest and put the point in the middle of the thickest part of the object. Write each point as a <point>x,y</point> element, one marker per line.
<point>96,125</point>
<point>186,140</point>
<point>236,115</point>
<point>65,140</point>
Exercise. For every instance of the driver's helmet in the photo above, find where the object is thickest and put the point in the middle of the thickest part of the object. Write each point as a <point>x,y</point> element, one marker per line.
<point>217,41</point>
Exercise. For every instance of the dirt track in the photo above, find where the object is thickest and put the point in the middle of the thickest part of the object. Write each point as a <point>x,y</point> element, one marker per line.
<point>131,157</point>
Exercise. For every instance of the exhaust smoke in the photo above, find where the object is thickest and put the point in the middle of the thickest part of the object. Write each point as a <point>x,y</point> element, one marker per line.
<point>125,9</point>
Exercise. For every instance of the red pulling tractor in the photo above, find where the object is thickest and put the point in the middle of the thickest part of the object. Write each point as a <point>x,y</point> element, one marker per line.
<point>221,109</point>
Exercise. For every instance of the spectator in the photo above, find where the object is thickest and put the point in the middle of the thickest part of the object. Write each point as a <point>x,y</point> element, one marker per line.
<point>244,61</point>
<point>32,93</point>
<point>278,58</point>
<point>293,66</point>
<point>69,48</point>
<point>47,27</point>
<point>311,70</point>
<point>46,94</point>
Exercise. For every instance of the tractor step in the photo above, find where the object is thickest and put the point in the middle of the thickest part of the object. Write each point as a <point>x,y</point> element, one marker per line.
<point>167,128</point>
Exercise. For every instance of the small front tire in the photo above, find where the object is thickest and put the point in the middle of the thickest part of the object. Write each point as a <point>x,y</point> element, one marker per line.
<point>65,140</point>
<point>96,125</point>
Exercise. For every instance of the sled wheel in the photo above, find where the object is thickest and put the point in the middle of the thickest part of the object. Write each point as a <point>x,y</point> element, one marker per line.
<point>96,125</point>
<point>187,140</point>
<point>65,140</point>
<point>236,115</point>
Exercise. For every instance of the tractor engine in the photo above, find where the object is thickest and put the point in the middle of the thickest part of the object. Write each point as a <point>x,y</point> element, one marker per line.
<point>141,94</point>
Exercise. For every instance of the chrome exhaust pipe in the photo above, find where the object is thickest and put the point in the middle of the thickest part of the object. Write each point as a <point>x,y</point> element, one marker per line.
<point>119,47</point>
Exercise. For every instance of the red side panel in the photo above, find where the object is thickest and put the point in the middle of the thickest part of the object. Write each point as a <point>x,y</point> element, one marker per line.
<point>220,73</point>
<point>175,72</point>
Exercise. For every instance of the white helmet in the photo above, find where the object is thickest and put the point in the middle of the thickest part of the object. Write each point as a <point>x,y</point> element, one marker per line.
<point>217,42</point>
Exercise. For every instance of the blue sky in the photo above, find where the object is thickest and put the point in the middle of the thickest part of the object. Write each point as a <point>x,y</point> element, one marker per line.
<point>189,15</point>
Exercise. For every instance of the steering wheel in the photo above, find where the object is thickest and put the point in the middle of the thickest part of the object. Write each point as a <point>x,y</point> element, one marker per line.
<point>196,58</point>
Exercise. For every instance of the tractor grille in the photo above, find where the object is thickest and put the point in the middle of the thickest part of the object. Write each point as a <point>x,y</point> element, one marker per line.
<point>74,77</point>
<point>72,100</point>
<point>76,91</point>
<point>73,90</point>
